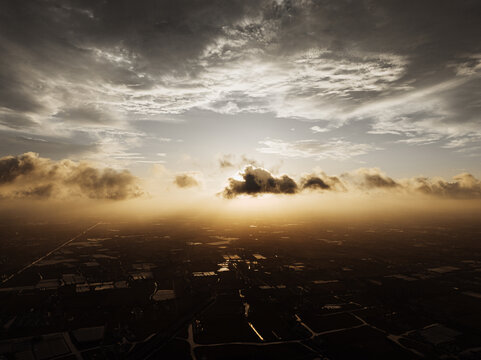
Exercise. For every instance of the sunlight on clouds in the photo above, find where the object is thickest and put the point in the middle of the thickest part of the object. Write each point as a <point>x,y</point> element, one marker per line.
<point>300,86</point>
<point>337,148</point>
<point>317,129</point>
<point>96,90</point>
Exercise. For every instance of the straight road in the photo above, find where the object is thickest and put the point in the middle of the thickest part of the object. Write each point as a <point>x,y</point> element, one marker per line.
<point>47,254</point>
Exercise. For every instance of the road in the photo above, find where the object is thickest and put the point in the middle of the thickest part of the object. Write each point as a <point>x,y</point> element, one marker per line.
<point>313,334</point>
<point>47,254</point>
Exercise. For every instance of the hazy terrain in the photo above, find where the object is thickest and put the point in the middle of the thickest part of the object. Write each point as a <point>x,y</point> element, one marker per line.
<point>191,288</point>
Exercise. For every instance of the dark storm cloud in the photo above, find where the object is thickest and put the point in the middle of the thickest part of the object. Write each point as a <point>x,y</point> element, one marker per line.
<point>258,181</point>
<point>29,175</point>
<point>185,181</point>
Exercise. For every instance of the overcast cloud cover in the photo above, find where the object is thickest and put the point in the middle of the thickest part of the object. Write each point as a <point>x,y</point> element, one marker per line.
<point>79,78</point>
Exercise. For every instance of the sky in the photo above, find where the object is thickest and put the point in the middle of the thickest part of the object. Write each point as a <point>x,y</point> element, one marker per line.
<point>123,99</point>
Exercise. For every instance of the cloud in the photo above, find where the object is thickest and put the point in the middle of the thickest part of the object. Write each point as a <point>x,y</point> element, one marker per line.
<point>12,167</point>
<point>15,120</point>
<point>462,186</point>
<point>100,59</point>
<point>226,161</point>
<point>372,178</point>
<point>322,182</point>
<point>337,148</point>
<point>409,69</point>
<point>103,184</point>
<point>317,129</point>
<point>75,146</point>
<point>39,192</point>
<point>86,114</point>
<point>230,161</point>
<point>256,181</point>
<point>312,84</point>
<point>29,175</point>
<point>185,181</point>
<point>315,182</point>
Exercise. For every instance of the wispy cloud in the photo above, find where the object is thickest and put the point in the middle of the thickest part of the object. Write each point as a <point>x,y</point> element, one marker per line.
<point>390,68</point>
<point>318,129</point>
<point>337,148</point>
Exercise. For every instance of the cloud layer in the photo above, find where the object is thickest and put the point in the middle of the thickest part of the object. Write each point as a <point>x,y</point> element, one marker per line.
<point>31,176</point>
<point>258,181</point>
<point>77,70</point>
<point>336,149</point>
